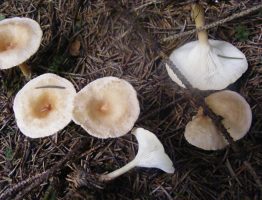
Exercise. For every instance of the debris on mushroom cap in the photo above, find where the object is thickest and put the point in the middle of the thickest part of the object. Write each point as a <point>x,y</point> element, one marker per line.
<point>44,105</point>
<point>207,64</point>
<point>211,67</point>
<point>20,38</point>
<point>151,154</point>
<point>202,132</point>
<point>237,118</point>
<point>106,107</point>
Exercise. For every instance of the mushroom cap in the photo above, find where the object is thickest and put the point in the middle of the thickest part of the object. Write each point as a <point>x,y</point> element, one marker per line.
<point>20,38</point>
<point>202,133</point>
<point>237,118</point>
<point>106,107</point>
<point>151,152</point>
<point>41,112</point>
<point>210,66</point>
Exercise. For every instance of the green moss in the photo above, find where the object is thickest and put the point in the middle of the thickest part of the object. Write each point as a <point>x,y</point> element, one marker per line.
<point>57,62</point>
<point>2,17</point>
<point>242,33</point>
<point>8,153</point>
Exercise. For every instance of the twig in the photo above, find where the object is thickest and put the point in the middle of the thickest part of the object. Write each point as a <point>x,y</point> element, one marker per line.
<point>13,189</point>
<point>199,100</point>
<point>52,170</point>
<point>39,178</point>
<point>214,24</point>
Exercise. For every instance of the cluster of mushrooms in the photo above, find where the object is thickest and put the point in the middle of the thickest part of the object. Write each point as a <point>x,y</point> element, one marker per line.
<point>212,65</point>
<point>108,107</point>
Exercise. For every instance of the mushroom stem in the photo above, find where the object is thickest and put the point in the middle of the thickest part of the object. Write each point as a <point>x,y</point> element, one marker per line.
<point>26,70</point>
<point>198,16</point>
<point>118,172</point>
<point>151,154</point>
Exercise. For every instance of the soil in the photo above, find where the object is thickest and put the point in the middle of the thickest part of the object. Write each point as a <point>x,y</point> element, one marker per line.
<point>88,39</point>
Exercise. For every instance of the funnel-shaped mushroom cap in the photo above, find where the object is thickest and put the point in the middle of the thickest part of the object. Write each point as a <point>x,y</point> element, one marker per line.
<point>44,105</point>
<point>19,39</point>
<point>211,66</point>
<point>237,118</point>
<point>106,107</point>
<point>151,152</point>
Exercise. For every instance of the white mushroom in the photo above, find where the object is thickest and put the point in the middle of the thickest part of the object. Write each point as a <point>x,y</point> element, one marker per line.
<point>44,105</point>
<point>207,64</point>
<point>151,154</point>
<point>20,38</point>
<point>106,107</point>
<point>237,117</point>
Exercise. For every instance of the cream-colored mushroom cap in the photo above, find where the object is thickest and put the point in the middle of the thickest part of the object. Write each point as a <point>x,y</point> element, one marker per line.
<point>207,64</point>
<point>106,107</point>
<point>44,105</point>
<point>237,118</point>
<point>20,38</point>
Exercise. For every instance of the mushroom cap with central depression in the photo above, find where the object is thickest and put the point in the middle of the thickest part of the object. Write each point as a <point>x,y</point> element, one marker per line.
<point>237,118</point>
<point>44,105</point>
<point>20,38</point>
<point>107,107</point>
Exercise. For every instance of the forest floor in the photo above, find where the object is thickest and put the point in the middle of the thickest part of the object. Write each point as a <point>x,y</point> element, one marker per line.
<point>116,40</point>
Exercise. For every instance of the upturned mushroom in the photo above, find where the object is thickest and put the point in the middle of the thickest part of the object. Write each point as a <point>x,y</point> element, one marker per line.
<point>237,117</point>
<point>106,107</point>
<point>20,38</point>
<point>151,154</point>
<point>207,64</point>
<point>44,105</point>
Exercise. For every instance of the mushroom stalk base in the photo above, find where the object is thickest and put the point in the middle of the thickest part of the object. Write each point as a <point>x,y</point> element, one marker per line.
<point>118,172</point>
<point>26,70</point>
<point>198,16</point>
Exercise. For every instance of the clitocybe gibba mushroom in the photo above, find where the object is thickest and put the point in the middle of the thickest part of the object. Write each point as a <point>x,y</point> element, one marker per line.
<point>151,154</point>
<point>106,107</point>
<point>20,38</point>
<point>44,105</point>
<point>237,117</point>
<point>207,64</point>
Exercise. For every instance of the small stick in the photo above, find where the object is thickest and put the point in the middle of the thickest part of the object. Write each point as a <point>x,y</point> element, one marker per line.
<point>201,102</point>
<point>214,24</point>
<point>50,86</point>
<point>39,178</point>
<point>69,157</point>
<point>228,57</point>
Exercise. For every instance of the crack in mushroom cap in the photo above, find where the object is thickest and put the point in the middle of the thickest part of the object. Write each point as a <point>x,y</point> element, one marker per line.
<point>237,118</point>
<point>206,66</point>
<point>106,107</point>
<point>20,38</point>
<point>202,133</point>
<point>42,111</point>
